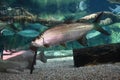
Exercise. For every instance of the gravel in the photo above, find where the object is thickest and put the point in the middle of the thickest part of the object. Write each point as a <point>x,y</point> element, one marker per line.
<point>63,69</point>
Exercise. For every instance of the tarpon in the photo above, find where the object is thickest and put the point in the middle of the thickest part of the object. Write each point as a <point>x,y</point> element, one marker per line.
<point>63,33</point>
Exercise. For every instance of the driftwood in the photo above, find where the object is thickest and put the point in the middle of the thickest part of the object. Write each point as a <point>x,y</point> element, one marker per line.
<point>20,15</point>
<point>96,55</point>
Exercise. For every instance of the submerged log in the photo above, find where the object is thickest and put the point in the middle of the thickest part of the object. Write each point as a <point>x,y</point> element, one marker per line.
<point>96,55</point>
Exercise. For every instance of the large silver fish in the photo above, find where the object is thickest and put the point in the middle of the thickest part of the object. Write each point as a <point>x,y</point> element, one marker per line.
<point>67,32</point>
<point>63,33</point>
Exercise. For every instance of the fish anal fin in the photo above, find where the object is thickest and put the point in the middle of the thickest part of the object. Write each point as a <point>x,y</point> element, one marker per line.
<point>63,44</point>
<point>83,41</point>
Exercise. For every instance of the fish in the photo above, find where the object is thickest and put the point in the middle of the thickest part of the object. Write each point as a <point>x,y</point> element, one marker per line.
<point>61,34</point>
<point>37,27</point>
<point>116,10</point>
<point>28,33</point>
<point>82,6</point>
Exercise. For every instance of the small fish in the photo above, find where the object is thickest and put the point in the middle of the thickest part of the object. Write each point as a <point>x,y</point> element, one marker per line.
<point>37,27</point>
<point>82,6</point>
<point>28,33</point>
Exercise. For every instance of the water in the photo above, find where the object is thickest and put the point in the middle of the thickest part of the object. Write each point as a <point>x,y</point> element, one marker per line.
<point>24,31</point>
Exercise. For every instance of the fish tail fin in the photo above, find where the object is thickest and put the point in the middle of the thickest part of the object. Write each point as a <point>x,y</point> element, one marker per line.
<point>98,27</point>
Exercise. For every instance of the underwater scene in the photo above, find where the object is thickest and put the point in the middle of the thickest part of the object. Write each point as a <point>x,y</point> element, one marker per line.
<point>53,29</point>
<point>22,21</point>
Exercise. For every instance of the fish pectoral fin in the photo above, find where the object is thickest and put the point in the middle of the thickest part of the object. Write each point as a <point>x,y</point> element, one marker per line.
<point>100,29</point>
<point>83,41</point>
<point>63,44</point>
<point>42,57</point>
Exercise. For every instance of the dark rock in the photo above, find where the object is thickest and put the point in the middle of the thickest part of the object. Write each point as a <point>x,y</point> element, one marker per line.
<point>96,55</point>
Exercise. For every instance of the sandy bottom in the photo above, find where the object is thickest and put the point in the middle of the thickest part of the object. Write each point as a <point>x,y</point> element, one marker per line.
<point>63,69</point>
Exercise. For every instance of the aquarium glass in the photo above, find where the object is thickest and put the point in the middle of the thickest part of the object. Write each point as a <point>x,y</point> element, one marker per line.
<point>21,21</point>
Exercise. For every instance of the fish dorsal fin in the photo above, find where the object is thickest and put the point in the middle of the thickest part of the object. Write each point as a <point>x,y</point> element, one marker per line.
<point>98,18</point>
<point>83,41</point>
<point>100,29</point>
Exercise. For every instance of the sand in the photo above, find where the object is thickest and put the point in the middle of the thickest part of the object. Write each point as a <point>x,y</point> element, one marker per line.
<point>63,69</point>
